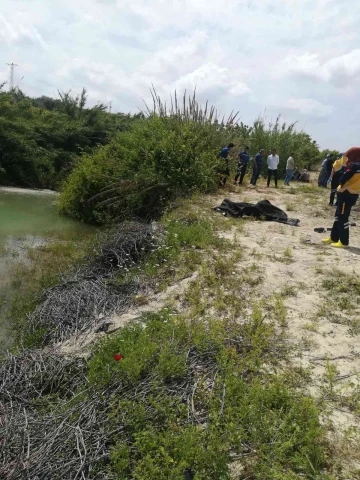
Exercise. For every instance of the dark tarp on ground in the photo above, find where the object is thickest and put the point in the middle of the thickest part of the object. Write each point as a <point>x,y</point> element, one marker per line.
<point>263,209</point>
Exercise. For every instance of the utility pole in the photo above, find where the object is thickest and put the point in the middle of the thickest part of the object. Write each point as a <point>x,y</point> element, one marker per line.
<point>12,68</point>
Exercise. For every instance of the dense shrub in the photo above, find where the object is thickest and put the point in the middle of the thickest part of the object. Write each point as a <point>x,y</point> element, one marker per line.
<point>285,138</point>
<point>161,157</point>
<point>41,139</point>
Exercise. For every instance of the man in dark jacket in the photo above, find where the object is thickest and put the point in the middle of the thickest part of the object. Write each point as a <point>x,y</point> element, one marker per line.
<point>224,154</point>
<point>244,159</point>
<point>328,169</point>
<point>322,171</point>
<point>257,167</point>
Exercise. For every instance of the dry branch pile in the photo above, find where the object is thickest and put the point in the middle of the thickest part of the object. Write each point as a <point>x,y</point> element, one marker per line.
<point>53,425</point>
<point>45,433</point>
<point>77,304</point>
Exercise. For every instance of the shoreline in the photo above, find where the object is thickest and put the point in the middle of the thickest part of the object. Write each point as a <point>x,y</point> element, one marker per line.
<point>28,191</point>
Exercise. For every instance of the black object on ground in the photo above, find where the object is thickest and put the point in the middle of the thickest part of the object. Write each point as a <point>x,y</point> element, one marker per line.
<point>328,229</point>
<point>263,209</point>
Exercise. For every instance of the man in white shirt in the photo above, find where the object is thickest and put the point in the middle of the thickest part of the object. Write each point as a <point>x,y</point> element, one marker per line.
<point>272,162</point>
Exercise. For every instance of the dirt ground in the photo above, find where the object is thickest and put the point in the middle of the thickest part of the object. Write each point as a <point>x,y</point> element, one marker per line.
<point>323,321</point>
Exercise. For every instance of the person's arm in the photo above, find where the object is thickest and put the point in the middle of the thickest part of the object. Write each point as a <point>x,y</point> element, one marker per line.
<point>349,172</point>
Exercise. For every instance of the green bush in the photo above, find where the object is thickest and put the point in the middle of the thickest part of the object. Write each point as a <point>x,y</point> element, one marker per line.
<point>41,139</point>
<point>141,170</point>
<point>194,395</point>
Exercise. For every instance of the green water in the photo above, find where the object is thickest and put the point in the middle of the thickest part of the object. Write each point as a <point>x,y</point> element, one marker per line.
<point>27,219</point>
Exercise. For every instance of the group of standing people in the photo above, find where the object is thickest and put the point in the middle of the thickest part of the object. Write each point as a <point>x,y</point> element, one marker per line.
<point>345,184</point>
<point>257,163</point>
<point>343,172</point>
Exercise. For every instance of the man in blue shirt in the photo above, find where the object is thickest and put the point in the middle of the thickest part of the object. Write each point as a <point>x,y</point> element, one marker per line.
<point>225,155</point>
<point>258,163</point>
<point>244,159</point>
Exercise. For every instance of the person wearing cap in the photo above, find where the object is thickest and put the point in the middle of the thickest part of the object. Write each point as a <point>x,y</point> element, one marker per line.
<point>348,192</point>
<point>244,159</point>
<point>336,174</point>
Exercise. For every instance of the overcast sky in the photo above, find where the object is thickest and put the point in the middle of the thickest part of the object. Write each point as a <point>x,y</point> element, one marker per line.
<point>300,58</point>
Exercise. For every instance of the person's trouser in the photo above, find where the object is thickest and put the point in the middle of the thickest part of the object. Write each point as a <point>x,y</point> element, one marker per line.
<point>340,229</point>
<point>321,177</point>
<point>226,173</point>
<point>270,174</point>
<point>289,174</point>
<point>242,167</point>
<point>255,175</point>
<point>326,179</point>
<point>335,182</point>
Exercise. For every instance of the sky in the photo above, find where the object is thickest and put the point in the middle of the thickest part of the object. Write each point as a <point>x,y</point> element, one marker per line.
<point>297,58</point>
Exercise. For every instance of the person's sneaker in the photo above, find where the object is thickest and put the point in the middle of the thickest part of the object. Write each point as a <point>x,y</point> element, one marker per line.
<point>339,245</point>
<point>327,241</point>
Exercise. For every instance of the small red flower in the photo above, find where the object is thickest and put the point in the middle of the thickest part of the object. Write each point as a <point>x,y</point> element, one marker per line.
<point>118,357</point>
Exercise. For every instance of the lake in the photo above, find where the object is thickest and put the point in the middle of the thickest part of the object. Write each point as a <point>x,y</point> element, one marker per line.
<point>27,219</point>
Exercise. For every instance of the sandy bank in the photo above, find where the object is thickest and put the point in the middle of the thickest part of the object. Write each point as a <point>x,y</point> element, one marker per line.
<point>27,191</point>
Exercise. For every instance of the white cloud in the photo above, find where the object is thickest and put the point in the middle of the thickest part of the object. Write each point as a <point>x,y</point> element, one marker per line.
<point>343,68</point>
<point>210,77</point>
<point>309,107</point>
<point>180,55</point>
<point>18,30</point>
<point>339,70</point>
<point>239,54</point>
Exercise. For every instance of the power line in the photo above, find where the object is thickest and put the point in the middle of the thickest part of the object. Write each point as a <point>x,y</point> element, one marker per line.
<point>12,68</point>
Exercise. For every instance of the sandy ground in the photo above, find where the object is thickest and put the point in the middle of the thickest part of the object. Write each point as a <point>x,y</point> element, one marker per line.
<point>295,264</point>
<point>80,345</point>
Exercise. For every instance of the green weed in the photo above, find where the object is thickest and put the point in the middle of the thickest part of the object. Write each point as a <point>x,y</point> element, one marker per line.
<point>30,279</point>
<point>164,436</point>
